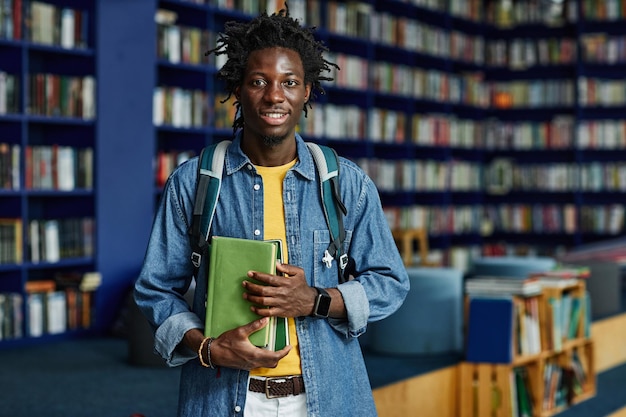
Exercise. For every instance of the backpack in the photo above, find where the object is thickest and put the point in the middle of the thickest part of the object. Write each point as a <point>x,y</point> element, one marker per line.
<point>209,180</point>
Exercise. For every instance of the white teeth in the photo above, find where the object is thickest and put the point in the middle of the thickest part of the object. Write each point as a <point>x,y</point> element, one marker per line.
<point>274,115</point>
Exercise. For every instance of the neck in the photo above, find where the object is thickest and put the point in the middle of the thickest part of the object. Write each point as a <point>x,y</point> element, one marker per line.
<point>263,155</point>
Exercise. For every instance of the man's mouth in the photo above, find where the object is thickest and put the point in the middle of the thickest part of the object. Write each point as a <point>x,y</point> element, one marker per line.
<point>274,118</point>
<point>274,115</point>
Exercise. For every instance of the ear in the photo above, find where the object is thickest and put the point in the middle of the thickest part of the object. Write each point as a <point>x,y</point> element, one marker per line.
<point>307,92</point>
<point>237,91</point>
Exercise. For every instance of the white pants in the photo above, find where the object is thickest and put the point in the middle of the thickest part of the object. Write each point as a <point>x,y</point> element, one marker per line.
<point>258,405</point>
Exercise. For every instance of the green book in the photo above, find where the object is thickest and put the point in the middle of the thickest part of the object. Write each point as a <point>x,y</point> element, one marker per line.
<point>231,259</point>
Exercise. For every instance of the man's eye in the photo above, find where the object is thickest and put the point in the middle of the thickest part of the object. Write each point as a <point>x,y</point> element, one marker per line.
<point>291,83</point>
<point>258,82</point>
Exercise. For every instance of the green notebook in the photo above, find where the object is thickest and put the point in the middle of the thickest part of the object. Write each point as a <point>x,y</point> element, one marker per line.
<point>231,259</point>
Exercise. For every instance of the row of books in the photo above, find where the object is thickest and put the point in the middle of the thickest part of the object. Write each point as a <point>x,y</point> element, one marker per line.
<point>57,167</point>
<point>491,219</point>
<point>458,175</point>
<point>556,133</point>
<point>62,95</point>
<point>470,9</point>
<point>180,107</point>
<point>566,315</point>
<point>62,303</point>
<point>50,240</point>
<point>53,25</point>
<point>423,175</point>
<point>11,241</point>
<point>561,132</point>
<point>601,92</point>
<point>437,220</point>
<point>352,122</point>
<point>554,218</point>
<point>167,161</point>
<point>9,93</point>
<point>562,383</point>
<point>9,166</point>
<point>532,93</point>
<point>10,19</point>
<point>182,44</point>
<point>11,315</point>
<point>603,10</point>
<point>563,177</point>
<point>428,84</point>
<point>304,10</point>
<point>524,53</point>
<point>603,48</point>
<point>506,14</point>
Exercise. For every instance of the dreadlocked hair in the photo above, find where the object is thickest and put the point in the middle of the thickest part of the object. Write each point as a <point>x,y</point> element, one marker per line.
<point>239,39</point>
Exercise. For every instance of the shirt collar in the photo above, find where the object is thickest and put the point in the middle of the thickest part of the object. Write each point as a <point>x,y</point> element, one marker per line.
<point>236,159</point>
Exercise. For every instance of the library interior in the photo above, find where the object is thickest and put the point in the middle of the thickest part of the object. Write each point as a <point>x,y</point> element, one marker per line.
<point>494,131</point>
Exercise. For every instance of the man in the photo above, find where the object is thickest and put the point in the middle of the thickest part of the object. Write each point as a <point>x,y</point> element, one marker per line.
<point>270,190</point>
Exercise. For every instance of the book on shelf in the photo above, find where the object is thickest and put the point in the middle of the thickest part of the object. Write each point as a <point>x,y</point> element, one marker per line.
<point>230,260</point>
<point>61,303</point>
<point>496,285</point>
<point>491,327</point>
<point>524,397</point>
<point>11,316</point>
<point>562,276</point>
<point>9,161</point>
<point>11,241</point>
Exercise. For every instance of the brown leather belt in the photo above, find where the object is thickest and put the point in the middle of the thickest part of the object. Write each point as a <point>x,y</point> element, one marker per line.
<point>281,386</point>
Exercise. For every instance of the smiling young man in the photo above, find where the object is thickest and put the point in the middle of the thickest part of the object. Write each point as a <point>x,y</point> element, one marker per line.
<point>270,190</point>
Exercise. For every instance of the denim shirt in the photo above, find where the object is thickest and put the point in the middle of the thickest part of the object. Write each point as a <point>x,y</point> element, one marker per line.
<point>333,368</point>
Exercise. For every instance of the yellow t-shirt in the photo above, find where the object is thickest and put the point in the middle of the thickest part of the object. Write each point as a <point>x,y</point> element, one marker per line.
<point>274,226</point>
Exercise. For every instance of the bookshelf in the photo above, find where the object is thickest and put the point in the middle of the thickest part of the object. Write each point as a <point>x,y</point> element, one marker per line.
<point>432,99</point>
<point>47,126</point>
<point>70,132</point>
<point>551,364</point>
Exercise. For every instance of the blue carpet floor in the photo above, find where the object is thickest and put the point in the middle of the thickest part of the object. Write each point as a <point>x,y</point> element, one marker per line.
<point>93,378</point>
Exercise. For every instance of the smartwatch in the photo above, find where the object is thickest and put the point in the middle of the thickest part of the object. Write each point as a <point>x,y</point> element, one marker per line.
<point>322,303</point>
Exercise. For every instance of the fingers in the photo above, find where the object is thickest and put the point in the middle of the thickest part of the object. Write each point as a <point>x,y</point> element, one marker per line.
<point>255,326</point>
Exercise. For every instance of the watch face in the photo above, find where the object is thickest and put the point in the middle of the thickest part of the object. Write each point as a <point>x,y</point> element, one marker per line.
<point>322,305</point>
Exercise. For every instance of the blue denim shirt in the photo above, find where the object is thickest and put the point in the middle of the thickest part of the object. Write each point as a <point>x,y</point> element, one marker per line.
<point>334,372</point>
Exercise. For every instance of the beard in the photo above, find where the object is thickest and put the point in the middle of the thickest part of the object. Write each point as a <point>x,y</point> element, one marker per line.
<point>273,140</point>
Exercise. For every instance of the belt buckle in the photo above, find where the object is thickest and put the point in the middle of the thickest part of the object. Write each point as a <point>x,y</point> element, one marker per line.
<point>268,382</point>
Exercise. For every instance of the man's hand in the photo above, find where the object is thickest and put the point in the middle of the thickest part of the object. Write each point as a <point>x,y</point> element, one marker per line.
<point>286,295</point>
<point>233,349</point>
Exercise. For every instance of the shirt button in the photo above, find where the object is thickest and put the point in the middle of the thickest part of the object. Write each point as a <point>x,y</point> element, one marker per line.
<point>257,187</point>
<point>257,232</point>
<point>249,167</point>
<point>237,409</point>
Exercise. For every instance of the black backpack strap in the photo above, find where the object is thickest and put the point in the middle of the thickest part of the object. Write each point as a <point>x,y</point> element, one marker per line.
<point>327,163</point>
<point>209,182</point>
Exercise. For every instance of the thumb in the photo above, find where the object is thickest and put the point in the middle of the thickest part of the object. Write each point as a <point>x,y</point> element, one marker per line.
<point>256,325</point>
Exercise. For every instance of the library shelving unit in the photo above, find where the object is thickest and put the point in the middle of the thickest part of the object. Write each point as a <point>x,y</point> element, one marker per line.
<point>47,126</point>
<point>554,125</point>
<point>73,128</point>
<point>467,116</point>
<point>557,373</point>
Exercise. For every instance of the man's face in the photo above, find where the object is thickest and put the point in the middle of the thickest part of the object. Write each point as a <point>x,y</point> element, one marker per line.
<point>272,94</point>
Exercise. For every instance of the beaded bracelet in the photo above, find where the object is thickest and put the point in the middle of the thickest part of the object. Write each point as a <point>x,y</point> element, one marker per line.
<point>208,341</point>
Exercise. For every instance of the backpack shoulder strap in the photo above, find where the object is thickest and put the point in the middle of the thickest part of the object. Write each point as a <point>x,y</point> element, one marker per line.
<point>209,182</point>
<point>327,163</point>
